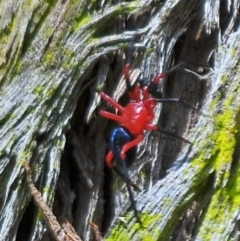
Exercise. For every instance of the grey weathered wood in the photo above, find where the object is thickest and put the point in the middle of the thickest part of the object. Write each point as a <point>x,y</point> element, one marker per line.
<point>198,198</point>
<point>54,54</point>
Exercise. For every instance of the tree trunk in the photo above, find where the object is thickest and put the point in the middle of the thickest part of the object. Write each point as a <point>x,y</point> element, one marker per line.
<point>55,55</point>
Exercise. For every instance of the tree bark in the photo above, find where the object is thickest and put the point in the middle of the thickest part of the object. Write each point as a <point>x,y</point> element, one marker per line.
<point>55,55</point>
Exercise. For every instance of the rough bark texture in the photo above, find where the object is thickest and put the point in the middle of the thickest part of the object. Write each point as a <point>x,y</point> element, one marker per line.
<point>53,57</point>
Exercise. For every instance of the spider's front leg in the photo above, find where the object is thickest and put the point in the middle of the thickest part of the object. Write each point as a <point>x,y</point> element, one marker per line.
<point>112,102</point>
<point>163,75</point>
<point>110,115</point>
<point>134,90</point>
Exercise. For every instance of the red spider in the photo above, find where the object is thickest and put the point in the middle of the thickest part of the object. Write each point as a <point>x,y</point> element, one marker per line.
<point>138,115</point>
<point>134,119</point>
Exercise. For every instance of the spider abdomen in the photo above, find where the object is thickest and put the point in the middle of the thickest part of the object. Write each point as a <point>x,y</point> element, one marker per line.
<point>119,137</point>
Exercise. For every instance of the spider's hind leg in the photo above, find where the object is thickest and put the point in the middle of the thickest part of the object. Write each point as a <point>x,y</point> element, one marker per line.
<point>119,138</point>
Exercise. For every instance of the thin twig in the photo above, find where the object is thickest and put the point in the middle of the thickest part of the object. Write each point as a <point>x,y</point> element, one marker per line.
<point>65,233</point>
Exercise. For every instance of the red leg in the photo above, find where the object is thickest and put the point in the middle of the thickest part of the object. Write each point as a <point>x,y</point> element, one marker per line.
<point>134,91</point>
<point>130,145</point>
<point>111,101</point>
<point>151,127</point>
<point>110,115</point>
<point>145,92</point>
<point>109,159</point>
<point>126,72</point>
<point>164,74</point>
<point>157,78</point>
<point>135,94</point>
<point>150,105</point>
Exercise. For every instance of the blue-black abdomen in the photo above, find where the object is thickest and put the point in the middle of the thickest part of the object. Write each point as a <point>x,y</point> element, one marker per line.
<point>119,137</point>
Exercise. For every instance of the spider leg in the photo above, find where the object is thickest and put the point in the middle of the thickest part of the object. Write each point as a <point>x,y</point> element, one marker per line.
<point>174,135</point>
<point>128,184</point>
<point>130,145</point>
<point>126,72</point>
<point>151,127</point>
<point>174,68</point>
<point>123,177</point>
<point>156,128</point>
<point>134,90</point>
<point>109,160</point>
<point>119,137</point>
<point>158,77</point>
<point>110,115</point>
<point>164,74</point>
<point>177,100</point>
<point>111,101</point>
